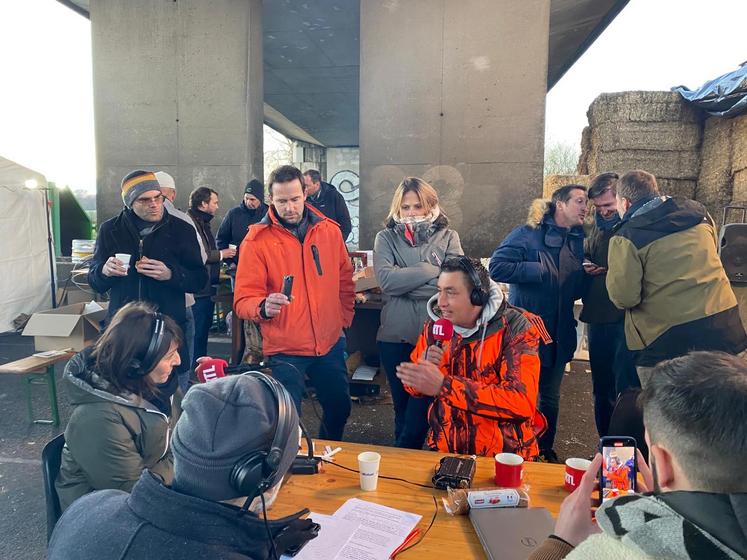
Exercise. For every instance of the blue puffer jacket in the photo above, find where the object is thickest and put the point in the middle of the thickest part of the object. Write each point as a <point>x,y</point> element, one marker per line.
<point>542,262</point>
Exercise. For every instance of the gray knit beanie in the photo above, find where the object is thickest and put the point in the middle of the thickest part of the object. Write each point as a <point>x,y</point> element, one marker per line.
<point>222,421</point>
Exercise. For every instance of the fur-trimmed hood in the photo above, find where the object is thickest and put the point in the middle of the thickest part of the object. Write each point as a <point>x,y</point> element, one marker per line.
<point>538,209</point>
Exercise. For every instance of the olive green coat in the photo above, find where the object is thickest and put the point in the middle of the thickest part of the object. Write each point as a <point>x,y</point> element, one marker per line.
<point>110,438</point>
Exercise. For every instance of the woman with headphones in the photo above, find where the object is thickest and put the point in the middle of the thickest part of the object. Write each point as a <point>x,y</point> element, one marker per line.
<point>408,254</point>
<point>115,431</point>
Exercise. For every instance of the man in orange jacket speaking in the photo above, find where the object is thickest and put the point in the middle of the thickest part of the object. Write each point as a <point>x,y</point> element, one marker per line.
<point>483,380</point>
<point>302,334</point>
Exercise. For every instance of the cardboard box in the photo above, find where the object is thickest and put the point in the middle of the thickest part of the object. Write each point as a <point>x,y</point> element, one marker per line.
<point>72,326</point>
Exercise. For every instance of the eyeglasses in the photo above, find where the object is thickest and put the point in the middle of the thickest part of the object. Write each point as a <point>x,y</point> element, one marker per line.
<point>148,200</point>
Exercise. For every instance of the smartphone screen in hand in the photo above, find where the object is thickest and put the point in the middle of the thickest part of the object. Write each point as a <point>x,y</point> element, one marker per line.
<point>619,467</point>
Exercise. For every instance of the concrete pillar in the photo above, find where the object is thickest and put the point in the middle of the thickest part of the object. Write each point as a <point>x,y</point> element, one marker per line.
<point>177,87</point>
<point>454,91</point>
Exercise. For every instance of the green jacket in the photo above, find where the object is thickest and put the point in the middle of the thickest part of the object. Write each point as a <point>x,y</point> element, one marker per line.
<point>664,271</point>
<point>110,438</point>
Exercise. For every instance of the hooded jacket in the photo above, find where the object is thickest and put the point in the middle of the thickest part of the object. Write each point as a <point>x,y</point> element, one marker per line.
<point>664,270</point>
<point>323,288</point>
<point>158,522</point>
<point>172,241</point>
<point>110,437</point>
<point>236,224</point>
<point>673,525</point>
<point>542,262</point>
<point>488,400</point>
<point>331,203</point>
<point>407,274</point>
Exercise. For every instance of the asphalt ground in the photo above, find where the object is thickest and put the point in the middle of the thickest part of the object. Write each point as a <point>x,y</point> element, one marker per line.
<point>22,509</point>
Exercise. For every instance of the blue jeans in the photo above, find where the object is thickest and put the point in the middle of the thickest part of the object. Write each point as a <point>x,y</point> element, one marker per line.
<point>410,413</point>
<point>329,375</point>
<point>612,369</point>
<point>203,312</point>
<point>549,402</point>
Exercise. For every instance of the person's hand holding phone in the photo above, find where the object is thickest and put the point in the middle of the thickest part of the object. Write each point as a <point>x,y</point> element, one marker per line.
<point>575,523</point>
<point>274,303</point>
<point>646,480</point>
<point>593,269</point>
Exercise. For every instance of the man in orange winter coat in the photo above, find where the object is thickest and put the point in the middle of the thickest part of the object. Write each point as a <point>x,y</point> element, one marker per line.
<point>485,379</point>
<point>302,335</point>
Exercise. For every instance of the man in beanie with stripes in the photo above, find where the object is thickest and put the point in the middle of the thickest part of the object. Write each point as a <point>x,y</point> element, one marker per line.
<point>164,258</point>
<point>225,422</point>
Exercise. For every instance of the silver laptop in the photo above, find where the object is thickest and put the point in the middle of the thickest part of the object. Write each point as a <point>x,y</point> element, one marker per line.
<point>511,533</point>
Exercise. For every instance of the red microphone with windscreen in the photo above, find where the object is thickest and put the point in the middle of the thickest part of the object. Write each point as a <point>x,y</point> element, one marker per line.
<point>213,368</point>
<point>442,330</point>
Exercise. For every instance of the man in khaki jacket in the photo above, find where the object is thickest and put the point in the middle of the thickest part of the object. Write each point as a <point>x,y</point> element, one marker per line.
<point>665,272</point>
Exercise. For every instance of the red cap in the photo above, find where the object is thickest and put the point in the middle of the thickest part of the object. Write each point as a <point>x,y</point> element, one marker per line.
<point>213,368</point>
<point>442,330</point>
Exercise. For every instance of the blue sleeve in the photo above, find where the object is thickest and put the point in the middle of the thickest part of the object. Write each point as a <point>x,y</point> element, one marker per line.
<point>514,263</point>
<point>223,239</point>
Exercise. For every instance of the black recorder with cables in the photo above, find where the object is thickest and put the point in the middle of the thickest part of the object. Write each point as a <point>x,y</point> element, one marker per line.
<point>454,472</point>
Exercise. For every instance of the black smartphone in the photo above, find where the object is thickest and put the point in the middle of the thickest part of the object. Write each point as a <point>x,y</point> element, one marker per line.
<point>619,470</point>
<point>288,286</point>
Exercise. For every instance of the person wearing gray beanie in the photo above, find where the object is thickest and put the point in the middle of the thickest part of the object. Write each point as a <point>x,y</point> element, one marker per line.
<point>223,422</point>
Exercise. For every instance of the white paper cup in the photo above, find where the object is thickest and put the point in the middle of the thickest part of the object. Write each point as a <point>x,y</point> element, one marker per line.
<point>125,258</point>
<point>232,246</point>
<point>368,465</point>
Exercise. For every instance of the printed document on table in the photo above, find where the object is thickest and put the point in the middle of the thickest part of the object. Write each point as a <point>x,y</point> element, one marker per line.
<point>381,529</point>
<point>333,535</point>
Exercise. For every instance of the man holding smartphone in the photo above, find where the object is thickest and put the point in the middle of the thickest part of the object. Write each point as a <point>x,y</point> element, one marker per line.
<point>695,501</point>
<point>302,334</point>
<point>612,366</point>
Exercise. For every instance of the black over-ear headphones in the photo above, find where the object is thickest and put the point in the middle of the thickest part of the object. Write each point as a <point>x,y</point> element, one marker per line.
<point>143,366</point>
<point>479,296</point>
<point>255,473</point>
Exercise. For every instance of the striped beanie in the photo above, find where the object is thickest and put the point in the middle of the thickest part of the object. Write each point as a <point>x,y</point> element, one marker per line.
<point>136,183</point>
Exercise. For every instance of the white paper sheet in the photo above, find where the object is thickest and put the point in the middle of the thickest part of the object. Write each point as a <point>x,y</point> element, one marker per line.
<point>359,530</point>
<point>382,529</point>
<point>333,535</point>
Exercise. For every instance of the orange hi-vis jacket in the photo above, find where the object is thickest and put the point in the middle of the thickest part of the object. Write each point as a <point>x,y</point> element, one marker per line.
<point>323,287</point>
<point>490,407</point>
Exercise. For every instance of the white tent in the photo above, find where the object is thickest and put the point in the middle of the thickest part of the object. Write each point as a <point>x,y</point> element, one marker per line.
<point>24,256</point>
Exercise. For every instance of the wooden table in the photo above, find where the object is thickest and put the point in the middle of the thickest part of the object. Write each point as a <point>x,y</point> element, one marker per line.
<point>450,536</point>
<point>38,370</point>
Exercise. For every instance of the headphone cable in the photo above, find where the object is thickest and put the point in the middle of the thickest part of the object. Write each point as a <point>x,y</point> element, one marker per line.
<point>267,527</point>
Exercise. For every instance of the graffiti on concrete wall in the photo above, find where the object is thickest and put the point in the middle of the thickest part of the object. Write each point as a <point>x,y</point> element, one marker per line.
<point>347,183</point>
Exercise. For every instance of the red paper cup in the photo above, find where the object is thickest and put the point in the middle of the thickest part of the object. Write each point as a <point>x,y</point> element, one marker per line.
<point>508,470</point>
<point>574,471</point>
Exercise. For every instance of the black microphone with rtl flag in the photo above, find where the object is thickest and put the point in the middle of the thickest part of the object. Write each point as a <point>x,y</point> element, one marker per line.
<point>442,330</point>
<point>212,368</point>
<point>215,368</point>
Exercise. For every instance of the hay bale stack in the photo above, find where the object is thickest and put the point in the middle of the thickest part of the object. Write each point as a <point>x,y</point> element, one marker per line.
<point>739,143</point>
<point>677,187</point>
<point>583,160</point>
<point>715,179</point>
<point>554,182</point>
<point>652,130</point>
<point>641,106</point>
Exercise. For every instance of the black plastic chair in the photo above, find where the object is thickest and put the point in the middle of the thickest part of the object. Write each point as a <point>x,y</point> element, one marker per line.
<point>51,459</point>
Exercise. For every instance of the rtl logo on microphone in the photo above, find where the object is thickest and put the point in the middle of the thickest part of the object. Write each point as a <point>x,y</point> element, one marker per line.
<point>438,330</point>
<point>210,373</point>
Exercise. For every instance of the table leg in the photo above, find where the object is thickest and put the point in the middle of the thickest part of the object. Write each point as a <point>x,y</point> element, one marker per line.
<point>53,395</point>
<point>46,378</point>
